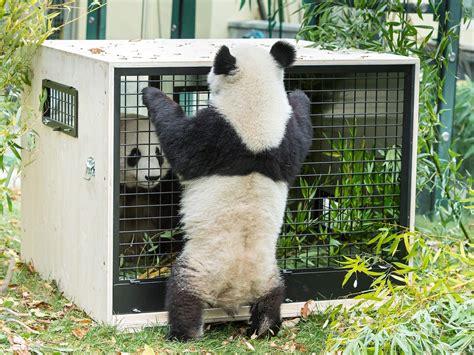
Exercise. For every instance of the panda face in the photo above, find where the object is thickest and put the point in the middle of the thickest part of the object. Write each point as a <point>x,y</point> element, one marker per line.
<point>142,163</point>
<point>246,84</point>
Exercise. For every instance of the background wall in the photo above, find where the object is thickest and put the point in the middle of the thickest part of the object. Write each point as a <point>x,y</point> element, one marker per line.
<point>133,19</point>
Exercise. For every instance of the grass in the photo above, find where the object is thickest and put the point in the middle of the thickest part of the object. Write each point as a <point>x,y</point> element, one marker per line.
<point>57,325</point>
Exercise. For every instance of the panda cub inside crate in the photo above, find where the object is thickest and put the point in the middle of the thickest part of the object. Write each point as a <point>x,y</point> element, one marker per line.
<point>149,200</point>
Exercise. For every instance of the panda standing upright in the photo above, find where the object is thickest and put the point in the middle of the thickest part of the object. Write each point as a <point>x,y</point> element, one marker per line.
<point>236,160</point>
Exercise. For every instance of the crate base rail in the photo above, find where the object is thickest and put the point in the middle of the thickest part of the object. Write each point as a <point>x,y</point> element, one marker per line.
<point>132,322</point>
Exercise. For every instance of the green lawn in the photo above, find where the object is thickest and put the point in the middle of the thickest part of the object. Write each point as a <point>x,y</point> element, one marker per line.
<point>35,316</point>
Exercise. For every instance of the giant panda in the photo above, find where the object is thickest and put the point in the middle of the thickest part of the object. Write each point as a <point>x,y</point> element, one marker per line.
<point>149,191</point>
<point>236,160</point>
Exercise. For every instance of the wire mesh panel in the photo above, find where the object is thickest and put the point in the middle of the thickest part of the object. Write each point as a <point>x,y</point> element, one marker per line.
<point>351,185</point>
<point>149,236</point>
<point>60,107</point>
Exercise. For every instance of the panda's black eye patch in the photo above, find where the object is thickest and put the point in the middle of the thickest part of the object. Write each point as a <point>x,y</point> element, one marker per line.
<point>134,157</point>
<point>159,156</point>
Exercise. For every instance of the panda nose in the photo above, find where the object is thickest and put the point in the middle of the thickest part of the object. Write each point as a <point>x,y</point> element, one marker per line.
<point>152,178</point>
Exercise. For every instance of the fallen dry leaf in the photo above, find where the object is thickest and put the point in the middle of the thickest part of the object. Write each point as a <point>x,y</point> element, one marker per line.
<point>96,50</point>
<point>290,323</point>
<point>308,308</point>
<point>18,344</point>
<point>147,350</point>
<point>250,346</point>
<point>69,306</point>
<point>38,313</point>
<point>291,347</point>
<point>16,339</point>
<point>84,321</point>
<point>56,315</point>
<point>31,267</point>
<point>79,333</point>
<point>300,347</point>
<point>20,349</point>
<point>39,304</point>
<point>44,321</point>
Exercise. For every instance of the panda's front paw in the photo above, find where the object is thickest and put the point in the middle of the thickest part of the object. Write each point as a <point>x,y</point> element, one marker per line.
<point>183,337</point>
<point>265,319</point>
<point>264,328</point>
<point>150,94</point>
<point>161,109</point>
<point>298,99</point>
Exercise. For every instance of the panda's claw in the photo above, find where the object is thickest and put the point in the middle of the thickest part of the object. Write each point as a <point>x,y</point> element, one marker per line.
<point>265,314</point>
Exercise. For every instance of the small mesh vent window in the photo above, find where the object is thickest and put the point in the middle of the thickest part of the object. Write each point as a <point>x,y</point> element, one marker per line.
<point>60,107</point>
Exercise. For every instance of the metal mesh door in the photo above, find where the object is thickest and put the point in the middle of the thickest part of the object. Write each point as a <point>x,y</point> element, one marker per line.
<point>354,181</point>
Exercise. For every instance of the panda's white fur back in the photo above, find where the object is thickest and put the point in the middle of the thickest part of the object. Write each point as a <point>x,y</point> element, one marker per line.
<point>257,106</point>
<point>232,225</point>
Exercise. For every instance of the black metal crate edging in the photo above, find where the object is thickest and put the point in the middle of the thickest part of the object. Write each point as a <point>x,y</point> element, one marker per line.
<point>60,109</point>
<point>323,281</point>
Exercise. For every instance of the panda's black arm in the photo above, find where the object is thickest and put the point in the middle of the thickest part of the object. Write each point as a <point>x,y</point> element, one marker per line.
<point>188,143</point>
<point>170,122</point>
<point>301,106</point>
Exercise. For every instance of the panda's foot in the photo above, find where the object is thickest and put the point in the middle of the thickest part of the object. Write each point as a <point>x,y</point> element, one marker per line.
<point>183,335</point>
<point>184,311</point>
<point>265,314</point>
<point>185,318</point>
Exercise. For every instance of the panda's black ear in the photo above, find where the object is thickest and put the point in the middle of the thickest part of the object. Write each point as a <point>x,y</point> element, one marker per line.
<point>224,62</point>
<point>284,53</point>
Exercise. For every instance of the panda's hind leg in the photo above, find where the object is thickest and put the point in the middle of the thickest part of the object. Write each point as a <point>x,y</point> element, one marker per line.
<point>184,308</point>
<point>265,318</point>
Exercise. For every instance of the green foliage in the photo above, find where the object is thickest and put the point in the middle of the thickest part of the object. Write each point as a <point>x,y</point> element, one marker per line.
<point>142,258</point>
<point>384,26</point>
<point>310,235</point>
<point>421,305</point>
<point>366,172</point>
<point>24,25</point>
<point>463,129</point>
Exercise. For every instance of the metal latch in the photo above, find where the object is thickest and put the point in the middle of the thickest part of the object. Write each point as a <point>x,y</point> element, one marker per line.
<point>90,169</point>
